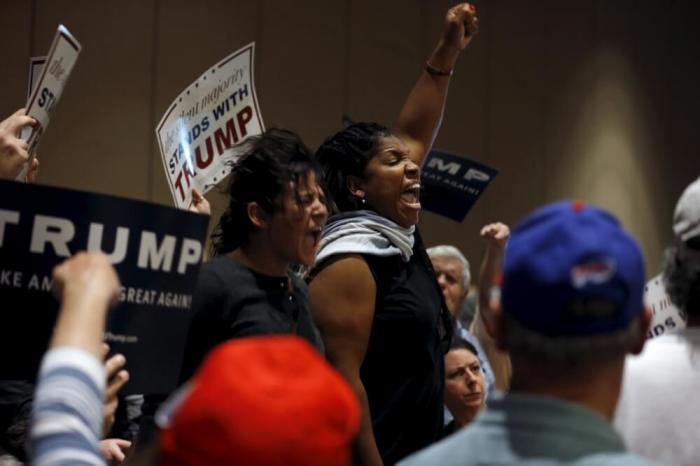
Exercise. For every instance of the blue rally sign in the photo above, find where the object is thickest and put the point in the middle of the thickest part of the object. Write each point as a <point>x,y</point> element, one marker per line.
<point>451,184</point>
<point>156,250</point>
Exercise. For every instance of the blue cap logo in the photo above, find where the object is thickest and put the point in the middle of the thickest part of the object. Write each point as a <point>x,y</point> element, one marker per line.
<point>593,272</point>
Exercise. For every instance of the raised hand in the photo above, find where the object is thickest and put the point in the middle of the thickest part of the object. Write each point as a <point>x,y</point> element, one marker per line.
<point>86,277</point>
<point>87,286</point>
<point>496,234</point>
<point>461,25</point>
<point>13,151</point>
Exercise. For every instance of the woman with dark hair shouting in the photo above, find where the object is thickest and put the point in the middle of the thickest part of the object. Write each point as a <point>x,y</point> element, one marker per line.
<point>373,292</point>
<point>276,212</point>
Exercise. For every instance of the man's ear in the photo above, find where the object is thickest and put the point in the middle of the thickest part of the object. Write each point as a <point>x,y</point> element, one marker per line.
<point>356,187</point>
<point>644,326</point>
<point>257,215</point>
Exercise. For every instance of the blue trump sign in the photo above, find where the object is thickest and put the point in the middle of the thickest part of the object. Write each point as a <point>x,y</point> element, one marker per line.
<point>156,250</point>
<point>451,184</point>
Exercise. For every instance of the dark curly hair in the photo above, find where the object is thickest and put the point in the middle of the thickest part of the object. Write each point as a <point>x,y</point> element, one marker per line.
<point>346,154</point>
<point>272,160</point>
<point>682,280</point>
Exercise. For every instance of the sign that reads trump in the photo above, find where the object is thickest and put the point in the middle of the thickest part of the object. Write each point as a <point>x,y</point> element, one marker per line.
<point>451,184</point>
<point>200,133</point>
<point>156,250</point>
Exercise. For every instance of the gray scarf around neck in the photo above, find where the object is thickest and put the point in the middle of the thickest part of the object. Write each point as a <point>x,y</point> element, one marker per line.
<point>365,232</point>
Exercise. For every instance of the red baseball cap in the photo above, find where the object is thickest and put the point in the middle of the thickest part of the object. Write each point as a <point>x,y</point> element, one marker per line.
<point>268,400</point>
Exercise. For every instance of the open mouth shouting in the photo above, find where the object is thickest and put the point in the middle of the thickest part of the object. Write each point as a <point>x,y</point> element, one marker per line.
<point>313,237</point>
<point>411,195</point>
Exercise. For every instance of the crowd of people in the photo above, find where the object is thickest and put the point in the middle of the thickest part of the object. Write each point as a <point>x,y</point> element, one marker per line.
<point>325,333</point>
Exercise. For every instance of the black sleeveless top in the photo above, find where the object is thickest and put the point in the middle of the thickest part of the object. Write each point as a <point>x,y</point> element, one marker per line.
<point>403,369</point>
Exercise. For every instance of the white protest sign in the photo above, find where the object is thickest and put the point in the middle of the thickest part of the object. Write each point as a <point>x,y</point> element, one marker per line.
<point>47,91</point>
<point>667,318</point>
<point>200,134</point>
<point>36,65</point>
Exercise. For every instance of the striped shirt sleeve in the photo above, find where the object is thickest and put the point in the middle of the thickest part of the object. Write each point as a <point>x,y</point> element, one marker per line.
<point>67,412</point>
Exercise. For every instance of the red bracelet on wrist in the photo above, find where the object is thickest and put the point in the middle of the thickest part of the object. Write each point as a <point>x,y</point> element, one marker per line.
<point>437,71</point>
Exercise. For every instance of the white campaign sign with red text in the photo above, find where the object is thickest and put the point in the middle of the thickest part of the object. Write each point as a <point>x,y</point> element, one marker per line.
<point>200,134</point>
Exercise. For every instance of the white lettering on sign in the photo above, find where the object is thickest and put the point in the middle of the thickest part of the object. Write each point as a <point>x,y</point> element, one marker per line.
<point>7,216</point>
<point>451,167</point>
<point>474,174</point>
<point>59,232</point>
<point>154,256</point>
<point>55,230</point>
<point>120,244</point>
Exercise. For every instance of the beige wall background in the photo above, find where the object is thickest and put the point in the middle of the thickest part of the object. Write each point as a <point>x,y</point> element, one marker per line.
<point>589,99</point>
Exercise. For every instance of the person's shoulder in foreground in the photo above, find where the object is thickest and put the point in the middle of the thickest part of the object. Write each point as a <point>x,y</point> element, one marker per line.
<point>533,430</point>
<point>68,399</point>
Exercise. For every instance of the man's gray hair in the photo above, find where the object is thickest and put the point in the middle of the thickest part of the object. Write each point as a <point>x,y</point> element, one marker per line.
<point>445,250</point>
<point>570,351</point>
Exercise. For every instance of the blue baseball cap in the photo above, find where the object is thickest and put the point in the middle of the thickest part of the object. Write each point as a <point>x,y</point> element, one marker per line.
<point>570,269</point>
